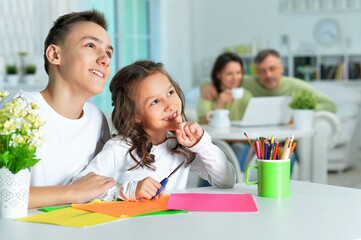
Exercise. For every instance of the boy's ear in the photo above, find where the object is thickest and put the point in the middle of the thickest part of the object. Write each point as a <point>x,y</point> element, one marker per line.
<point>53,54</point>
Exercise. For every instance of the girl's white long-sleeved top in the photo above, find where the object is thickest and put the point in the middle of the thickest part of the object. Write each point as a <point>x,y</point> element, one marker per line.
<point>114,161</point>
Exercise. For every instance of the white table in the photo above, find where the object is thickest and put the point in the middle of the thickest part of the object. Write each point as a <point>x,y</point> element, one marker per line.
<point>309,168</point>
<point>313,211</point>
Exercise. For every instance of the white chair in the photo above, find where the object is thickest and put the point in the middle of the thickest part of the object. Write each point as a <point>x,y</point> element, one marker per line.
<point>196,181</point>
<point>224,146</point>
<point>340,131</point>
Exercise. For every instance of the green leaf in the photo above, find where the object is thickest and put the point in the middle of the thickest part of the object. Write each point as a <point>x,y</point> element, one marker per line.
<point>18,158</point>
<point>303,100</point>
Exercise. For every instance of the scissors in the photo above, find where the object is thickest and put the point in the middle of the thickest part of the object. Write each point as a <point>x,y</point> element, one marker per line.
<point>165,180</point>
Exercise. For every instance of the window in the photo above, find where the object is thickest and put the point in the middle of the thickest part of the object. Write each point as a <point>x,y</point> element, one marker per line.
<point>130,31</point>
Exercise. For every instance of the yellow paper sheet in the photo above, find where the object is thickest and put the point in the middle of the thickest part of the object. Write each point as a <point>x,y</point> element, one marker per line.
<point>70,217</point>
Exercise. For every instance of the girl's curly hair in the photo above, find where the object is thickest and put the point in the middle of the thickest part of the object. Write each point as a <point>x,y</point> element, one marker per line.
<point>123,88</point>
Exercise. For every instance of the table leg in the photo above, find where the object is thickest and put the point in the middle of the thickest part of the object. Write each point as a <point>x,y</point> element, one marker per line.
<point>319,155</point>
<point>305,157</point>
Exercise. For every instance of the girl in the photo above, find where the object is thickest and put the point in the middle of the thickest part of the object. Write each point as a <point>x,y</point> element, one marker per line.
<point>153,140</point>
<point>226,74</point>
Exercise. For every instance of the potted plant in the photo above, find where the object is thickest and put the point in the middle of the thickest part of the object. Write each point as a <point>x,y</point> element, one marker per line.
<point>12,76</point>
<point>19,138</point>
<point>29,74</point>
<point>303,104</point>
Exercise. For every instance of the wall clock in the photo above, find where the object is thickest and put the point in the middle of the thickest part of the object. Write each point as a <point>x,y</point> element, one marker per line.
<point>327,32</point>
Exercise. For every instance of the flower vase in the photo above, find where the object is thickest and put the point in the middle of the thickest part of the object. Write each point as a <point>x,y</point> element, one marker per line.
<point>12,79</point>
<point>14,193</point>
<point>303,119</point>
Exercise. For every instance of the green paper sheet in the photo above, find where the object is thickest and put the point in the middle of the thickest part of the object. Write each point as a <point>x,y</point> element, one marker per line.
<point>49,209</point>
<point>166,212</point>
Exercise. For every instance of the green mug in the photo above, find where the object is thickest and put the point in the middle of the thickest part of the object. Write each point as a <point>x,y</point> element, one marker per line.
<point>273,178</point>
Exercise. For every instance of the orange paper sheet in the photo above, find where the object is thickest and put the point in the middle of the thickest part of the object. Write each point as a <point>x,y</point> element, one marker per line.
<point>125,208</point>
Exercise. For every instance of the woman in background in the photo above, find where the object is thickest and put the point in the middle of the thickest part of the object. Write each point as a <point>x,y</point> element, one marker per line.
<point>226,75</point>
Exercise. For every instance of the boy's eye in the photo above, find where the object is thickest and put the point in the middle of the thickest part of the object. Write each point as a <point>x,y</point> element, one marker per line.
<point>154,102</point>
<point>90,45</point>
<point>109,54</point>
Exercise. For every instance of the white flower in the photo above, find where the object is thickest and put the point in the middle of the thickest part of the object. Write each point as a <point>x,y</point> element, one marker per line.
<point>19,122</point>
<point>35,139</point>
<point>10,126</point>
<point>16,140</point>
<point>3,94</point>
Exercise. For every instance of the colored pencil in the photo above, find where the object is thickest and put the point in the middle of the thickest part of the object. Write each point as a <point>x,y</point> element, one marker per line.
<point>275,151</point>
<point>292,148</point>
<point>250,143</point>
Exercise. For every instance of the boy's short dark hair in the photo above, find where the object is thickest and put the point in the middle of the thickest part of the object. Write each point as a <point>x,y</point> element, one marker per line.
<point>63,24</point>
<point>265,53</point>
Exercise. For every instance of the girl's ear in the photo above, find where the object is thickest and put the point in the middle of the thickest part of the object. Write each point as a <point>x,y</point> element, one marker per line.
<point>53,54</point>
<point>137,119</point>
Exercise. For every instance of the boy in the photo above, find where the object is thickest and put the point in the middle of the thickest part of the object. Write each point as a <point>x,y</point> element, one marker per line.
<point>77,53</point>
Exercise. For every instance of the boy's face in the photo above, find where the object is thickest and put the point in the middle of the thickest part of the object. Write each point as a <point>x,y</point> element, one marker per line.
<point>85,57</point>
<point>158,104</point>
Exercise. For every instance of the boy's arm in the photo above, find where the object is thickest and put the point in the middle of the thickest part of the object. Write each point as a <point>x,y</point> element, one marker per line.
<point>82,190</point>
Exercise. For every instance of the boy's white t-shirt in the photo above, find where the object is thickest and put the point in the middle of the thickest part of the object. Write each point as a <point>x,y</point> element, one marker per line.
<point>68,144</point>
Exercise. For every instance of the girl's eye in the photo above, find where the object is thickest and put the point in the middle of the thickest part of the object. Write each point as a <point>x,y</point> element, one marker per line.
<point>170,92</point>
<point>154,102</point>
<point>90,45</point>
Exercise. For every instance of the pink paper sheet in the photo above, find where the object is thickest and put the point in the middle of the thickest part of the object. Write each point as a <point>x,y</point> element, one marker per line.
<point>212,202</point>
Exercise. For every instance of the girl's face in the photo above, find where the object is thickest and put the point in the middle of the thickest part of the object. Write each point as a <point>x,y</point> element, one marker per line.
<point>230,76</point>
<point>158,104</point>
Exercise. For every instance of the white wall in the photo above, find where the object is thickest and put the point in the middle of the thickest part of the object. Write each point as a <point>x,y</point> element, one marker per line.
<point>24,25</point>
<point>215,24</point>
<point>176,40</point>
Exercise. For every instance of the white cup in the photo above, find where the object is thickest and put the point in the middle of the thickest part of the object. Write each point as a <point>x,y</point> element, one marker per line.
<point>220,118</point>
<point>237,93</point>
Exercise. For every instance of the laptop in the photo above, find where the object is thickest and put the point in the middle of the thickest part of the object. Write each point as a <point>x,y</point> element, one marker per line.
<point>263,111</point>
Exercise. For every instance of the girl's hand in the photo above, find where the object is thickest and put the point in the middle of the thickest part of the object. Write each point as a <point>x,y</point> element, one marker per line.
<point>147,188</point>
<point>188,133</point>
<point>224,97</point>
